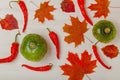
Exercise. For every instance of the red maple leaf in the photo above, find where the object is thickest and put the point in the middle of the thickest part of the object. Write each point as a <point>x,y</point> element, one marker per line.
<point>79,67</point>
<point>101,8</point>
<point>9,23</point>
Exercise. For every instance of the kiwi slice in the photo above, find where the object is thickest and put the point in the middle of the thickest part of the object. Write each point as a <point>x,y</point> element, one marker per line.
<point>104,31</point>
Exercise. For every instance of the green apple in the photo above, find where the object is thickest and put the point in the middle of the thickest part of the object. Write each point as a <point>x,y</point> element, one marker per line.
<point>33,47</point>
<point>104,31</point>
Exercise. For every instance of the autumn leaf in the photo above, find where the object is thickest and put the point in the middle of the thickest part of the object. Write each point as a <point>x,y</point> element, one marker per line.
<point>110,51</point>
<point>101,8</point>
<point>9,22</point>
<point>44,12</point>
<point>78,67</point>
<point>76,31</point>
<point>67,6</point>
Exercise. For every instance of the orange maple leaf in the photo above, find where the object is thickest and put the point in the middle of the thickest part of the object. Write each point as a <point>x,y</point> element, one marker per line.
<point>44,12</point>
<point>79,67</point>
<point>101,8</point>
<point>76,31</point>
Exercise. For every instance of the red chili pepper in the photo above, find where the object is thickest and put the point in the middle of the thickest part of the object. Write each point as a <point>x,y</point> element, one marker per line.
<point>81,4</point>
<point>24,11</point>
<point>53,36</point>
<point>94,47</point>
<point>14,51</point>
<point>41,68</point>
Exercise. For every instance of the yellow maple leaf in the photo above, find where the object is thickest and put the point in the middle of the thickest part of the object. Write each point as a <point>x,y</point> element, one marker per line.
<point>76,31</point>
<point>44,12</point>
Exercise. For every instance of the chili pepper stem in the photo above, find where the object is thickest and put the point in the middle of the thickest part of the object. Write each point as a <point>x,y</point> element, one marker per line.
<point>51,64</point>
<point>13,2</point>
<point>17,36</point>
<point>48,29</point>
<point>96,43</point>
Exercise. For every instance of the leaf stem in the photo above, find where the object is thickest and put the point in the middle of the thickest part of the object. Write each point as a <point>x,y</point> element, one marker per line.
<point>88,77</point>
<point>88,39</point>
<point>113,7</point>
<point>34,4</point>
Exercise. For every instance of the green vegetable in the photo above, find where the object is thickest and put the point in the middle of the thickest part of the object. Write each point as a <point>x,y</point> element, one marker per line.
<point>33,47</point>
<point>104,31</point>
